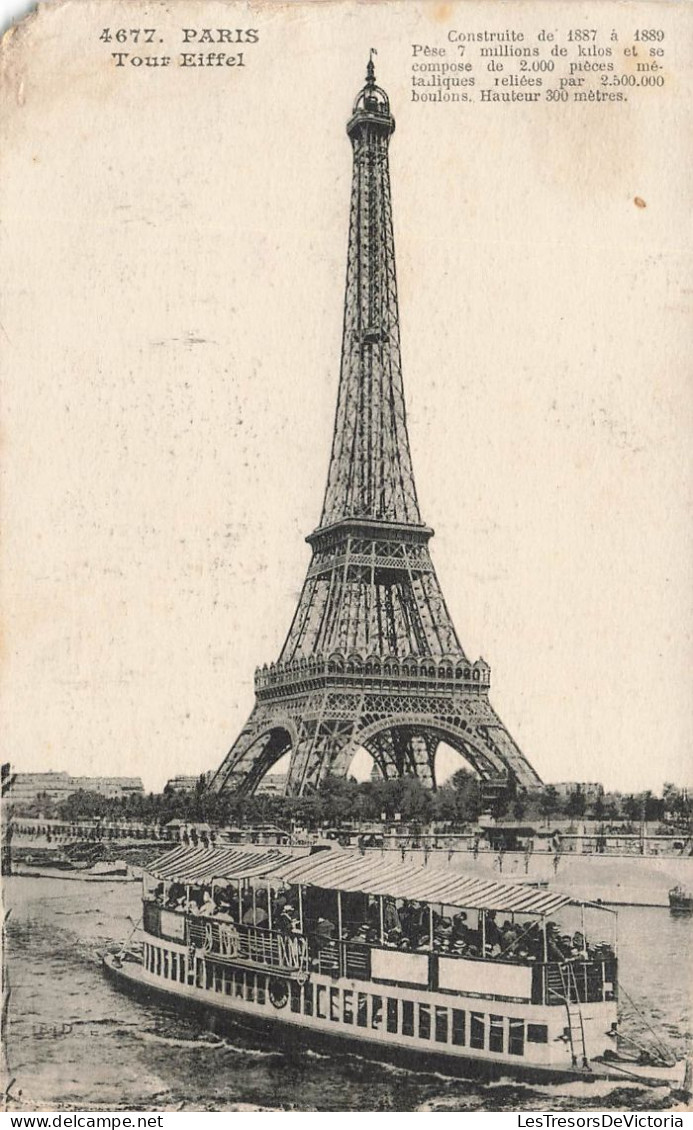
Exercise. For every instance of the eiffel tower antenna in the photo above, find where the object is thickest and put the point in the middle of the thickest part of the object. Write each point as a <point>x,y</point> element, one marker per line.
<point>372,659</point>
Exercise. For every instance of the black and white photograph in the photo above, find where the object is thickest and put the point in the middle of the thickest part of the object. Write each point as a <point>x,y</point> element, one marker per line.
<point>346,561</point>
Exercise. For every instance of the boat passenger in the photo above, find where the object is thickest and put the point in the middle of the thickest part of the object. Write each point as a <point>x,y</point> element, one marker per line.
<point>493,934</point>
<point>278,903</point>
<point>325,930</point>
<point>285,921</point>
<point>443,931</point>
<point>391,920</point>
<point>255,916</point>
<point>208,905</point>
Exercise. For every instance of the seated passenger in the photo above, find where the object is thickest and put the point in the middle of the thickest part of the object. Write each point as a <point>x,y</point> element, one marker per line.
<point>278,905</point>
<point>255,916</point>
<point>578,945</point>
<point>176,893</point>
<point>459,926</point>
<point>208,905</point>
<point>443,929</point>
<point>360,934</point>
<point>325,930</point>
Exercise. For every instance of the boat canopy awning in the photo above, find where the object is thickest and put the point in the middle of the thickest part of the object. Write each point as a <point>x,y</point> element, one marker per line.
<point>202,865</point>
<point>347,871</point>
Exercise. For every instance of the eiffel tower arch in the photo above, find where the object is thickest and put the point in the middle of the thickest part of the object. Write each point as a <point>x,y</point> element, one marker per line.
<point>372,659</point>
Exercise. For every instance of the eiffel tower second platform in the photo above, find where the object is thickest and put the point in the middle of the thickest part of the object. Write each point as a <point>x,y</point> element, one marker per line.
<point>372,659</point>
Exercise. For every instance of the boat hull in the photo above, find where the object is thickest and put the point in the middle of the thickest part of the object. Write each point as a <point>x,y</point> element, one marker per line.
<point>222,1017</point>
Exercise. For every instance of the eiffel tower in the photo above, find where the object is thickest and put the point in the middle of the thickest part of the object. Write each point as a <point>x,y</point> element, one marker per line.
<point>372,659</point>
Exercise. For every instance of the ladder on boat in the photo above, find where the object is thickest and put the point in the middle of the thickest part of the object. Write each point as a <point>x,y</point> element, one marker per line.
<point>576,1026</point>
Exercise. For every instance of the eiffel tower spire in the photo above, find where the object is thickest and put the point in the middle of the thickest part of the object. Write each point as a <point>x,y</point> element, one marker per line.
<point>370,472</point>
<point>372,659</point>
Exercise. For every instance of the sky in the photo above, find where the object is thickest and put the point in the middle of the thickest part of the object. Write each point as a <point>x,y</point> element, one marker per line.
<point>176,247</point>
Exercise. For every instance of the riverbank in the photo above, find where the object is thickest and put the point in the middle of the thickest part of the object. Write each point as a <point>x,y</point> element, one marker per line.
<point>611,879</point>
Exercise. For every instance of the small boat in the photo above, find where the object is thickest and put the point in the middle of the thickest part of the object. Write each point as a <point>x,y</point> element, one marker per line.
<point>463,975</point>
<point>116,872</point>
<point>680,900</point>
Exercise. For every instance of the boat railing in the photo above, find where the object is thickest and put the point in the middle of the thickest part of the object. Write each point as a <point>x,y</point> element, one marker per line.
<point>590,981</point>
<point>250,945</point>
<point>343,959</point>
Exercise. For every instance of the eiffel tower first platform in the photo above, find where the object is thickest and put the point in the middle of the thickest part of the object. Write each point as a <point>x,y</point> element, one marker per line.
<point>372,659</point>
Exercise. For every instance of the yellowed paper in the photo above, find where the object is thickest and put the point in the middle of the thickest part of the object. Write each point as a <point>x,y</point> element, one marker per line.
<point>175,207</point>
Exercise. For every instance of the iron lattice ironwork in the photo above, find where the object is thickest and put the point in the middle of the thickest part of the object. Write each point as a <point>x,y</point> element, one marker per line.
<point>372,659</point>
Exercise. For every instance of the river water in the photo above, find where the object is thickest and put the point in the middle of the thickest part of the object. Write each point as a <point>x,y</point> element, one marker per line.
<point>73,1042</point>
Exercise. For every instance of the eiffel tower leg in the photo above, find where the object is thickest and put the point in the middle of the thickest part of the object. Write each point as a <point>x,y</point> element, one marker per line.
<point>263,741</point>
<point>319,745</point>
<point>421,752</point>
<point>387,755</point>
<point>399,752</point>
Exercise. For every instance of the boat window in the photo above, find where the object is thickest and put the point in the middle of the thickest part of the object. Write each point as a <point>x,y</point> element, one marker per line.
<point>392,1014</point>
<point>348,1014</point>
<point>158,961</point>
<point>228,982</point>
<point>537,1034</point>
<point>261,991</point>
<point>249,984</point>
<point>516,1041</point>
<point>377,1014</point>
<point>295,994</point>
<point>362,1010</point>
<point>320,995</point>
<point>239,983</point>
<point>441,1024</point>
<point>308,998</point>
<point>202,969</point>
<point>218,977</point>
<point>424,1021</point>
<point>458,1026</point>
<point>476,1030</point>
<point>407,1018</point>
<point>334,1004</point>
<point>495,1034</point>
<point>174,966</point>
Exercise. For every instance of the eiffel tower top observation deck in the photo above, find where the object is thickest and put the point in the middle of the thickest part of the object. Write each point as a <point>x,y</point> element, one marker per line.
<point>372,658</point>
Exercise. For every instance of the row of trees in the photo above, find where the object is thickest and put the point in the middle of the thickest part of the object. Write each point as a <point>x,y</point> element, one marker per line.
<point>338,799</point>
<point>459,801</point>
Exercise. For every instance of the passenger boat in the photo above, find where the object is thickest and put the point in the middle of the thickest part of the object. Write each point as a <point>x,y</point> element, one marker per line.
<point>680,900</point>
<point>412,963</point>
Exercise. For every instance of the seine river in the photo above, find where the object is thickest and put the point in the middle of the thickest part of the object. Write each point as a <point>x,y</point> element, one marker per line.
<point>73,1042</point>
